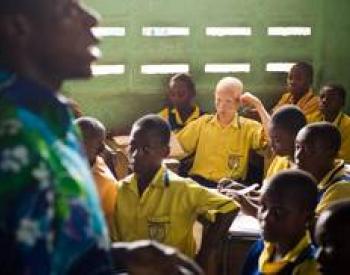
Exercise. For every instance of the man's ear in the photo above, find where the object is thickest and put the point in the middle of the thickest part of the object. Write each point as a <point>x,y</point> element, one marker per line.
<point>15,28</point>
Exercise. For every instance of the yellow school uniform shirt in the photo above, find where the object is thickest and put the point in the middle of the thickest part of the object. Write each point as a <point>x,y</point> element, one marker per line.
<point>332,187</point>
<point>166,211</point>
<point>342,122</point>
<point>307,267</point>
<point>106,186</point>
<point>308,104</point>
<point>278,164</point>
<point>221,151</point>
<point>195,114</point>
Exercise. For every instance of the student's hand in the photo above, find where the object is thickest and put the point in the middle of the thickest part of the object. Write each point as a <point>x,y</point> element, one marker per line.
<point>249,99</point>
<point>247,206</point>
<point>225,185</point>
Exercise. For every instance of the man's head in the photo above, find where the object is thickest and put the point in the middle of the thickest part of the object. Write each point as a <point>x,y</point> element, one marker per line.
<point>332,99</point>
<point>94,135</point>
<point>284,126</point>
<point>300,79</point>
<point>149,144</point>
<point>227,97</point>
<point>316,147</point>
<point>332,236</point>
<point>288,202</point>
<point>182,91</point>
<point>47,41</point>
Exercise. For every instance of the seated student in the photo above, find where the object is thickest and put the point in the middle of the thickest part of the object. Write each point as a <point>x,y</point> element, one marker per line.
<point>299,90</point>
<point>332,235</point>
<point>284,126</point>
<point>181,109</point>
<point>332,101</point>
<point>221,141</point>
<point>94,134</point>
<point>316,148</point>
<point>153,202</point>
<point>287,207</point>
<point>151,258</point>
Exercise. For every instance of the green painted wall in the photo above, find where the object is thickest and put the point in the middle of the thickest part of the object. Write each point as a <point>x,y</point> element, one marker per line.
<point>118,100</point>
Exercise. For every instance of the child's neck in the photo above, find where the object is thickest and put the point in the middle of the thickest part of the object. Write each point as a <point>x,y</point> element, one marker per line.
<point>143,180</point>
<point>224,121</point>
<point>323,171</point>
<point>283,248</point>
<point>330,117</point>
<point>185,112</point>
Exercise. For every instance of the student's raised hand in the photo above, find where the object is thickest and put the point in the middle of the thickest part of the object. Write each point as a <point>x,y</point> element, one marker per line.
<point>248,99</point>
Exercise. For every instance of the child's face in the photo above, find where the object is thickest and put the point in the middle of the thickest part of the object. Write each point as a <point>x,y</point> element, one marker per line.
<point>179,94</point>
<point>297,81</point>
<point>93,146</point>
<point>334,246</point>
<point>282,142</point>
<point>330,101</point>
<point>308,154</point>
<point>281,219</point>
<point>145,151</point>
<point>227,101</point>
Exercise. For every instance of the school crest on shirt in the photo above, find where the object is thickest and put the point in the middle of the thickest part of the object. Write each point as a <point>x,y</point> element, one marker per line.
<point>157,228</point>
<point>233,161</point>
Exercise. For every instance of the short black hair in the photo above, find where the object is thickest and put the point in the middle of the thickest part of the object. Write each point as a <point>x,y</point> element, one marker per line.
<point>91,127</point>
<point>325,133</point>
<point>307,69</point>
<point>289,118</point>
<point>298,184</point>
<point>338,88</point>
<point>155,125</point>
<point>187,79</point>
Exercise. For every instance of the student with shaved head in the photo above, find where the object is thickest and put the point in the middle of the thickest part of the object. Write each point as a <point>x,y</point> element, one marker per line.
<point>222,141</point>
<point>50,218</point>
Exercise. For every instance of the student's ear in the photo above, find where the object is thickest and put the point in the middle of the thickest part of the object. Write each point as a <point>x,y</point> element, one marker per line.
<point>15,28</point>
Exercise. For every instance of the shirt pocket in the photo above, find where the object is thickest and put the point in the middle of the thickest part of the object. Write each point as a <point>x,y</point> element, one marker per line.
<point>158,227</point>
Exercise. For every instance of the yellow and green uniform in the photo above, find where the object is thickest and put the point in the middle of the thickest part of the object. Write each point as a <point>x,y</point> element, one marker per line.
<point>166,211</point>
<point>308,104</point>
<point>221,151</point>
<point>172,116</point>
<point>342,122</point>
<point>299,260</point>
<point>334,186</point>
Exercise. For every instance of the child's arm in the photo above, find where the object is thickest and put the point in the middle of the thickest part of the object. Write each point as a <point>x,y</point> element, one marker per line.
<point>251,100</point>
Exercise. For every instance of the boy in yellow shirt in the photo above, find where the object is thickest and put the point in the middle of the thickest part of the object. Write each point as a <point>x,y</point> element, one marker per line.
<point>316,148</point>
<point>284,126</point>
<point>332,101</point>
<point>287,206</point>
<point>332,235</point>
<point>94,135</point>
<point>181,108</point>
<point>221,141</point>
<point>299,90</point>
<point>155,203</point>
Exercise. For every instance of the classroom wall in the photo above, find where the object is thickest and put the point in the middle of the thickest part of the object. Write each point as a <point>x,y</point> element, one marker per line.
<point>119,99</point>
